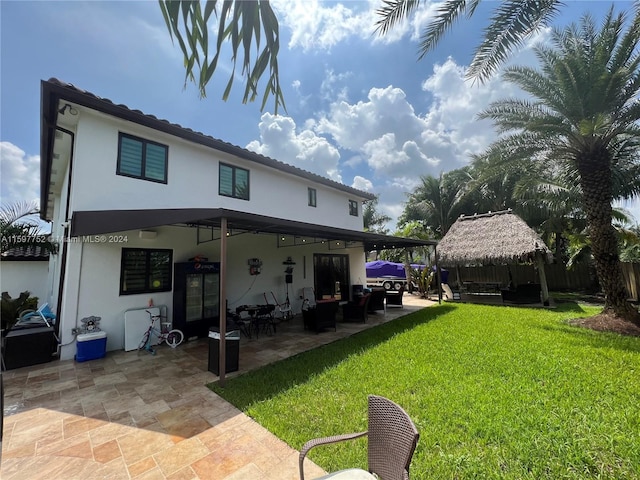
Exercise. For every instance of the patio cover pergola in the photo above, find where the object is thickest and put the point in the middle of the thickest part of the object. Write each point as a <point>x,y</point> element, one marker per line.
<point>494,238</point>
<point>227,223</point>
<point>110,221</point>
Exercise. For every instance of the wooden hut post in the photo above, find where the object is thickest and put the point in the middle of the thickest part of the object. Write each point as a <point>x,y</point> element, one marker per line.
<point>543,278</point>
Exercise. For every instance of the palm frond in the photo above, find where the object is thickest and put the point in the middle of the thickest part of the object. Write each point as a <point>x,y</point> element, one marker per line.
<point>513,21</point>
<point>244,24</point>
<point>447,15</point>
<point>393,12</point>
<point>18,213</point>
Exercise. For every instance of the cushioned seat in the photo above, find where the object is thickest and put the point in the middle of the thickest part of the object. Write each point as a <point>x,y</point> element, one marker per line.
<point>323,315</point>
<point>356,310</point>
<point>349,474</point>
<point>377,300</point>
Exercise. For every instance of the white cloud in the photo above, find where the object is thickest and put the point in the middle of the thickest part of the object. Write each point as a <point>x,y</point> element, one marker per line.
<point>20,174</point>
<point>384,131</point>
<point>318,25</point>
<point>399,145</point>
<point>280,140</point>
<point>362,183</point>
<point>328,86</point>
<point>378,128</point>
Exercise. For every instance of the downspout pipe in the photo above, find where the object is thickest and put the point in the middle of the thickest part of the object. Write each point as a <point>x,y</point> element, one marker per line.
<point>65,233</point>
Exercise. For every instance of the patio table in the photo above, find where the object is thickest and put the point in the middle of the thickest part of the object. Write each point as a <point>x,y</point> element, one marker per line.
<point>254,317</point>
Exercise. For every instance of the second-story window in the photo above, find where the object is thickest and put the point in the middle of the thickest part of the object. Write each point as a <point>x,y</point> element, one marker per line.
<point>312,197</point>
<point>353,208</point>
<point>234,182</point>
<point>140,158</point>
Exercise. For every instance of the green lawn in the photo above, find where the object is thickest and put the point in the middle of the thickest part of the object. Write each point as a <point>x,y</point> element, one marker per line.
<point>495,392</point>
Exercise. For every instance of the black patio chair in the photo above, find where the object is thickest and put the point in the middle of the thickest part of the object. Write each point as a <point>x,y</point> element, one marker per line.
<point>265,320</point>
<point>356,310</point>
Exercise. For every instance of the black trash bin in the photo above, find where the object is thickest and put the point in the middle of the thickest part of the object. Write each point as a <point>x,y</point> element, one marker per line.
<point>232,353</point>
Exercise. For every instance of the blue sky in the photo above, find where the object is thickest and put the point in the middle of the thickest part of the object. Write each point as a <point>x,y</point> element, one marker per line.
<point>360,109</point>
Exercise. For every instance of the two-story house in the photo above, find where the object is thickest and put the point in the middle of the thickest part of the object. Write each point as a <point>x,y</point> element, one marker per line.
<point>132,197</point>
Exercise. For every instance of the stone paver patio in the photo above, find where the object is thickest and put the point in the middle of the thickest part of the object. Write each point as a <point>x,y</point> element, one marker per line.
<point>132,415</point>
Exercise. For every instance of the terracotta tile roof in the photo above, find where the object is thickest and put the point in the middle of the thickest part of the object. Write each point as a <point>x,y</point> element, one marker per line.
<point>26,252</point>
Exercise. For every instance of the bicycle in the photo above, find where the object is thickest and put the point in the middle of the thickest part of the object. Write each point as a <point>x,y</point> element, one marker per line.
<point>173,338</point>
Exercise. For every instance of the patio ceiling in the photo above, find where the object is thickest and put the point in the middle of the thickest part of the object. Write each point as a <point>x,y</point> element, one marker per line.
<point>102,222</point>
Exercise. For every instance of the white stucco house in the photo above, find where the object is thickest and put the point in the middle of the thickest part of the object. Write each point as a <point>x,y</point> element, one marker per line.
<point>132,197</point>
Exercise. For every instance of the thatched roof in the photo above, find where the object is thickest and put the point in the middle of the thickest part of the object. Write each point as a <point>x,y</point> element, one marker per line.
<point>490,238</point>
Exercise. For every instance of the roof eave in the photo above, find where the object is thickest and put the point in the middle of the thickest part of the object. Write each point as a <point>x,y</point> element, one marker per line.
<point>53,90</point>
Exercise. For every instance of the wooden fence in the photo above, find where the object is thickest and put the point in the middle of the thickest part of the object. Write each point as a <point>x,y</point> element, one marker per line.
<point>558,277</point>
<point>631,275</point>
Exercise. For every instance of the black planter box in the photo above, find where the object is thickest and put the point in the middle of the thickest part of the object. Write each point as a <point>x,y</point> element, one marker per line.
<point>29,346</point>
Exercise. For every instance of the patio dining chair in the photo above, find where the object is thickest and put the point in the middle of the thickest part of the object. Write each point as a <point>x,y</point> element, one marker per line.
<point>264,320</point>
<point>392,439</point>
<point>284,309</point>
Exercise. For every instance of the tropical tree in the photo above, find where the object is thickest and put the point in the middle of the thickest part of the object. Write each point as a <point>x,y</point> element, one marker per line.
<point>583,115</point>
<point>19,227</point>
<point>251,28</point>
<point>511,23</point>
<point>418,231</point>
<point>630,243</point>
<point>437,202</point>
<point>244,23</point>
<point>374,221</point>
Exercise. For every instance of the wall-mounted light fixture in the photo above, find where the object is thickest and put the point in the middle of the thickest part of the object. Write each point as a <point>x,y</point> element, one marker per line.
<point>67,106</point>
<point>147,234</point>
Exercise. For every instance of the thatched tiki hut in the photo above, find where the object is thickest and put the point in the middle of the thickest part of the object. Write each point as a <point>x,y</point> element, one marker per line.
<point>494,238</point>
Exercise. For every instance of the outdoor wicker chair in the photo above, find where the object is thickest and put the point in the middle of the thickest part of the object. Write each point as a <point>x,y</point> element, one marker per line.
<point>377,300</point>
<point>392,439</point>
<point>356,310</point>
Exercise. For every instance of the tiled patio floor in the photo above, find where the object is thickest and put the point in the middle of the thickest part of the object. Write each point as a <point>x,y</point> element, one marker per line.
<point>132,415</point>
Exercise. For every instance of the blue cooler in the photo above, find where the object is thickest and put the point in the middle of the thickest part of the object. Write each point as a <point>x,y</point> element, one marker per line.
<point>91,346</point>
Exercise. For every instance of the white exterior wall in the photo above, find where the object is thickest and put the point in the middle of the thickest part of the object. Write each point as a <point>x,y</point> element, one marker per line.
<point>192,180</point>
<point>25,275</point>
<point>92,281</point>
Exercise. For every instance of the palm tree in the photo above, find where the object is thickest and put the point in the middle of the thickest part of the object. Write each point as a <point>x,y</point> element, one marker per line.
<point>512,22</point>
<point>373,220</point>
<point>436,202</point>
<point>413,229</point>
<point>244,23</point>
<point>18,227</point>
<point>584,115</point>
